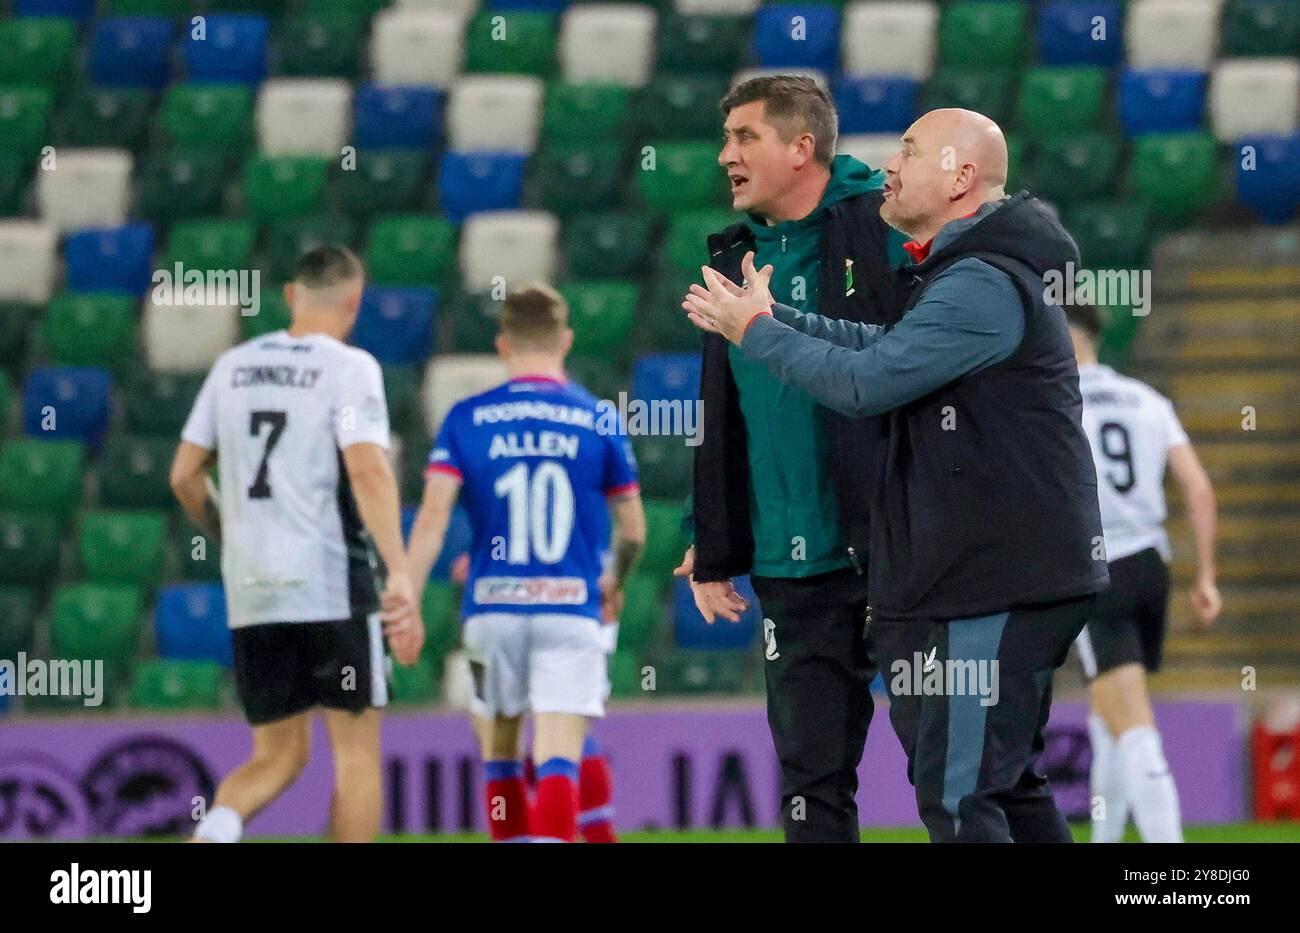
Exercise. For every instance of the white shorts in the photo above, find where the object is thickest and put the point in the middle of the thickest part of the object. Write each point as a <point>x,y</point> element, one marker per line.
<point>544,662</point>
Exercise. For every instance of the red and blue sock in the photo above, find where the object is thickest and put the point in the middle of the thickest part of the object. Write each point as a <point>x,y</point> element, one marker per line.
<point>555,812</point>
<point>506,795</point>
<point>595,795</point>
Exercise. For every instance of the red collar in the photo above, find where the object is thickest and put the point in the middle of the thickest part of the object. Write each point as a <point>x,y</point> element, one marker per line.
<point>551,379</point>
<point>919,251</point>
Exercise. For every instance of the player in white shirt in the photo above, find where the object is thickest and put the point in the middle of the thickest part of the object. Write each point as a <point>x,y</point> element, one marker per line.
<point>1135,435</point>
<point>297,424</point>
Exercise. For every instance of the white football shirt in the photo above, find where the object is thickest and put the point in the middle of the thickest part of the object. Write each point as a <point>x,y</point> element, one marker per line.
<point>279,411</point>
<point>1131,428</point>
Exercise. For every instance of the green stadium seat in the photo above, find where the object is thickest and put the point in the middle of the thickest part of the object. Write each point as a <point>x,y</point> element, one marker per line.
<point>29,547</point>
<point>97,621</point>
<point>15,329</point>
<point>1070,169</point>
<point>415,457</point>
<point>208,116</point>
<point>122,547</point>
<point>15,176</point>
<point>1056,101</point>
<point>6,403</point>
<point>402,390</point>
<point>665,465</point>
<point>37,50</point>
<point>665,541</point>
<point>676,177</point>
<point>322,44</point>
<point>697,672</point>
<point>983,33</point>
<point>411,249</point>
<point>1260,27</point>
<point>1110,234</point>
<point>134,471</point>
<point>624,674</point>
<point>181,183</point>
<point>91,329</point>
<point>664,325</point>
<point>173,8</point>
<point>272,315</point>
<point>473,324</point>
<point>597,375</point>
<point>382,182</point>
<point>271,9</point>
<point>645,611</point>
<point>24,118</point>
<point>511,42</point>
<point>685,246</point>
<point>157,404</point>
<point>102,116</point>
<point>17,620</point>
<point>198,557</point>
<point>680,107</point>
<point>176,685</point>
<point>289,237</point>
<point>702,44</point>
<point>440,610</point>
<point>572,178</point>
<point>986,91</point>
<point>284,186</point>
<point>608,244</point>
<point>418,683</point>
<point>1177,174</point>
<point>212,244</point>
<point>602,313</point>
<point>364,8</point>
<point>41,475</point>
<point>1017,176</point>
<point>582,112</point>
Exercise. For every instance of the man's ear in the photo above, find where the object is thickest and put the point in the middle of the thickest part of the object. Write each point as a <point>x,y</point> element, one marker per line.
<point>963,181</point>
<point>566,341</point>
<point>805,148</point>
<point>502,344</point>
<point>354,298</point>
<point>288,294</point>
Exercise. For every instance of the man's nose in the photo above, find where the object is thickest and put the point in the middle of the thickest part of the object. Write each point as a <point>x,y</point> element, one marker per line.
<point>726,156</point>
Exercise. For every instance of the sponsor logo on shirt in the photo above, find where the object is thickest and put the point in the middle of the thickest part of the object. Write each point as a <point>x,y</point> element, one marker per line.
<point>531,591</point>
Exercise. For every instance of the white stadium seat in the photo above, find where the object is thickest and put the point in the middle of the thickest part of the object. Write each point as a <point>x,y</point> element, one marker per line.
<point>304,116</point>
<point>86,188</point>
<point>745,74</point>
<point>495,113</point>
<point>872,148</point>
<point>517,246</point>
<point>187,338</point>
<point>1251,96</point>
<point>715,7</point>
<point>29,261</point>
<point>454,376</point>
<point>1171,33</point>
<point>890,37</point>
<point>410,46</point>
<point>608,43</point>
<point>465,9</point>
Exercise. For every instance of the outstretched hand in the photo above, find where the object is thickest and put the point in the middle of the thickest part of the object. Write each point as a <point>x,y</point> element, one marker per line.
<point>726,308</point>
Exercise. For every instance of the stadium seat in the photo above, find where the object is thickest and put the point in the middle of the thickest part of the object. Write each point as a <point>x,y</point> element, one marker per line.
<point>473,182</point>
<point>6,402</point>
<point>644,611</point>
<point>875,103</point>
<point>451,377</point>
<point>157,404</point>
<point>672,376</point>
<point>602,313</point>
<point>15,178</point>
<point>38,50</point>
<point>1054,101</point>
<point>597,375</point>
<point>494,113</point>
<point>179,184</point>
<point>1177,174</point>
<point>983,33</point>
<point>122,547</point>
<point>473,325</point>
<point>304,116</point>
<point>104,118</point>
<point>383,181</point>
<point>96,621</point>
<point>664,464</point>
<point>680,176</point>
<point>410,249</point>
<point>397,117</point>
<point>607,43</point>
<point>41,475</point>
<point>665,541</point>
<point>91,329</point>
<point>580,112</point>
<point>176,685</point>
<point>17,620</point>
<point>1260,27</point>
<point>24,117</point>
<point>199,116</point>
<point>1073,168</point>
<point>80,10</point>
<point>685,246</point>
<point>1269,183</point>
<point>797,36</point>
<point>132,51</point>
<point>211,244</point>
<point>508,247</point>
<point>895,37</point>
<point>15,328</point>
<point>284,186</point>
<point>679,107</point>
<point>29,547</point>
<point>288,238</point>
<point>1110,234</point>
<point>1160,101</point>
<point>396,325</point>
<point>614,244</point>
<point>690,631</point>
<point>191,624</point>
<point>134,471</point>
<point>322,43</point>
<point>987,92</point>
<point>696,45</point>
<point>727,8</point>
<point>90,188</point>
<point>421,47</point>
<point>572,178</point>
<point>1171,33</point>
<point>182,338</point>
<point>28,260</point>
<point>116,259</point>
<point>67,403</point>
<point>172,8</point>
<point>231,51</point>
<point>513,42</point>
<point>1254,97</point>
<point>1081,32</point>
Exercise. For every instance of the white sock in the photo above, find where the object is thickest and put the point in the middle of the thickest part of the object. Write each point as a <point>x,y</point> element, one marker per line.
<point>1109,805</point>
<point>222,824</point>
<point>1150,785</point>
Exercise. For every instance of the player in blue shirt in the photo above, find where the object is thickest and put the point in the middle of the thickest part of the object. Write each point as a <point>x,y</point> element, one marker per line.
<point>540,466</point>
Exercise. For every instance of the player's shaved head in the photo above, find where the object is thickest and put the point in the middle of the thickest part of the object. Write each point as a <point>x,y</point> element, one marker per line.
<point>326,267</point>
<point>535,318</point>
<point>325,294</point>
<point>974,137</point>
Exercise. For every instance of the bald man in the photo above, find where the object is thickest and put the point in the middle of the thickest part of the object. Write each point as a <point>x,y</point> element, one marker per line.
<point>985,537</point>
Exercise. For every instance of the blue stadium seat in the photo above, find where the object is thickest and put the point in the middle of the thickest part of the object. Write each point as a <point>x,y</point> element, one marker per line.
<point>1066,28</point>
<point>397,117</point>
<point>73,9</point>
<point>67,403</point>
<point>691,631</point>
<point>233,50</point>
<point>1160,101</point>
<point>798,37</point>
<point>396,324</point>
<point>132,51</point>
<point>469,182</point>
<point>875,103</point>
<point>111,259</point>
<point>191,624</point>
<point>459,535</point>
<point>666,376</point>
<point>1271,188</point>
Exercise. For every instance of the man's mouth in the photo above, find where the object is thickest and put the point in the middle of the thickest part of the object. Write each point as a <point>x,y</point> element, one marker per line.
<point>737,182</point>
